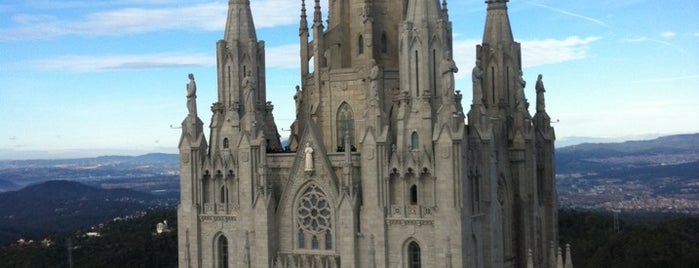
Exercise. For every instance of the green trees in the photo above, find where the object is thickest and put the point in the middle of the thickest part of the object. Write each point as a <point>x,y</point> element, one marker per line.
<point>644,240</point>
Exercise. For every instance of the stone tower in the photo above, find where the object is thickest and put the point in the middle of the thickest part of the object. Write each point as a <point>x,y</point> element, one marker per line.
<point>381,169</point>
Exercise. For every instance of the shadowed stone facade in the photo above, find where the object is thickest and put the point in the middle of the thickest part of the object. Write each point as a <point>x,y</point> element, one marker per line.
<point>381,169</point>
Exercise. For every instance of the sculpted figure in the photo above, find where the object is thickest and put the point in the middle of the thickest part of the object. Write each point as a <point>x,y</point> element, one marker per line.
<point>477,78</point>
<point>448,68</point>
<point>297,98</point>
<point>519,98</point>
<point>374,79</point>
<point>309,157</point>
<point>540,102</point>
<point>192,95</point>
<point>249,90</point>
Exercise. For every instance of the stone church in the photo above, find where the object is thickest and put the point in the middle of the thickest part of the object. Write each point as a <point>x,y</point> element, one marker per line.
<point>383,167</point>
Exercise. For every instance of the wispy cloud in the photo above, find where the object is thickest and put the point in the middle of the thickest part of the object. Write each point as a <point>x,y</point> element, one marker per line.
<point>668,34</point>
<point>665,43</point>
<point>285,56</point>
<point>534,52</point>
<point>202,16</point>
<point>122,62</point>
<point>572,14</point>
<point>552,51</point>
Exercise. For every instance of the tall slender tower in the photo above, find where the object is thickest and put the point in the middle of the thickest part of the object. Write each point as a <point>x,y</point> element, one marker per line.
<point>381,169</point>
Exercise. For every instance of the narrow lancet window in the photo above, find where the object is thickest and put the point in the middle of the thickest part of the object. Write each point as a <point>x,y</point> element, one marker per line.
<point>222,252</point>
<point>345,125</point>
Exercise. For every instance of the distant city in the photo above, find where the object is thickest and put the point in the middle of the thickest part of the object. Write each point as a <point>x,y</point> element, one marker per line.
<point>659,175</point>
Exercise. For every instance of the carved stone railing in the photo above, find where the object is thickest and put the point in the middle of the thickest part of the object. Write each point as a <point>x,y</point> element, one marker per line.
<point>209,208</point>
<point>412,211</point>
<point>427,212</point>
<point>396,211</point>
<point>221,208</point>
<point>306,260</point>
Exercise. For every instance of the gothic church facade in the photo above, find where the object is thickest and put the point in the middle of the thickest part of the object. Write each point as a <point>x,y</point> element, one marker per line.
<point>384,168</point>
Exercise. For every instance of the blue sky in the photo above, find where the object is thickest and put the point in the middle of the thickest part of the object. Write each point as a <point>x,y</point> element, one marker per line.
<point>85,78</point>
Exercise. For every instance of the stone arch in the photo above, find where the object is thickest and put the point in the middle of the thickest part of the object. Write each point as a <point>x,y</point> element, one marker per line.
<point>344,124</point>
<point>412,253</point>
<point>222,251</point>
<point>313,219</point>
<point>504,198</point>
<point>414,141</point>
<point>413,194</point>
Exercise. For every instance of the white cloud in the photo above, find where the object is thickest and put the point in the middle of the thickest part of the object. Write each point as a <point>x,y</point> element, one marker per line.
<point>534,52</point>
<point>122,62</point>
<point>552,51</point>
<point>668,34</point>
<point>203,16</point>
<point>285,56</point>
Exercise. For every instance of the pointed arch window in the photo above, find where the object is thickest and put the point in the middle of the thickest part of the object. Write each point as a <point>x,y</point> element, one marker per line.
<point>414,255</point>
<point>345,125</point>
<point>360,45</point>
<point>384,43</point>
<point>413,194</point>
<point>414,141</point>
<point>206,181</point>
<point>314,219</point>
<point>225,143</point>
<point>222,247</point>
<point>224,194</point>
<point>328,240</point>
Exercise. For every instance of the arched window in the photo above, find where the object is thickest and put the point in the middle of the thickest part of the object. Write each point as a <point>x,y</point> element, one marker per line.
<point>314,242</point>
<point>328,240</point>
<point>345,124</point>
<point>206,181</point>
<point>413,255</point>
<point>222,252</point>
<point>413,194</point>
<point>302,239</point>
<point>384,43</point>
<point>360,45</point>
<point>314,219</point>
<point>224,194</point>
<point>414,141</point>
<point>225,143</point>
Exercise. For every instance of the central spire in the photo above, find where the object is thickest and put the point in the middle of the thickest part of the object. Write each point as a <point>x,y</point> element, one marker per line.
<point>239,25</point>
<point>497,23</point>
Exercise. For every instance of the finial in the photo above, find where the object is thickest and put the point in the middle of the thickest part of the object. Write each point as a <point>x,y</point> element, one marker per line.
<point>317,18</point>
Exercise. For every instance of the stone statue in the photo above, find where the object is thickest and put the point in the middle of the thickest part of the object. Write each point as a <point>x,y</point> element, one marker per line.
<point>519,98</point>
<point>309,157</point>
<point>192,96</point>
<point>249,91</point>
<point>448,69</point>
<point>540,102</point>
<point>477,77</point>
<point>297,99</point>
<point>374,79</point>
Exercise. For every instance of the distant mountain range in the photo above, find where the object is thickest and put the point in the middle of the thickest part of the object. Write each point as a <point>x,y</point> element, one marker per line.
<point>157,173</point>
<point>54,206</point>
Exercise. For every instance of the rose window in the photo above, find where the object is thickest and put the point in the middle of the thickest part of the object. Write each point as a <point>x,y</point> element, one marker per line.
<point>314,212</point>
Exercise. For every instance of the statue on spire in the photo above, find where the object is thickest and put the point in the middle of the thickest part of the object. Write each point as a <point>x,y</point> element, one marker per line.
<point>448,68</point>
<point>192,96</point>
<point>540,102</point>
<point>477,77</point>
<point>249,91</point>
